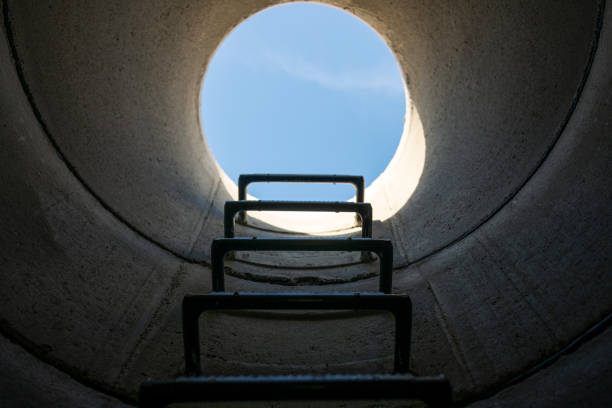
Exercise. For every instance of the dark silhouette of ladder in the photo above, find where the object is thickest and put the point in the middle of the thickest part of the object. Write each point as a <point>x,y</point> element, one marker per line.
<point>401,384</point>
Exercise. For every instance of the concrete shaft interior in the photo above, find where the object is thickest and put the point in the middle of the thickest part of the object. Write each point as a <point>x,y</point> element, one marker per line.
<point>110,199</point>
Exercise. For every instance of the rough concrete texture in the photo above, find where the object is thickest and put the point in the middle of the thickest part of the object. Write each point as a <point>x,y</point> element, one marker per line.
<point>24,375</point>
<point>552,387</point>
<point>110,197</point>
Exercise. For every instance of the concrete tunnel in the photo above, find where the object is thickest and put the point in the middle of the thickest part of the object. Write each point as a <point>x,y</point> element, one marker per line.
<point>111,197</point>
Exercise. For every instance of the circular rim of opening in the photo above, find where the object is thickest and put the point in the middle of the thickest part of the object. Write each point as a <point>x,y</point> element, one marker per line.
<point>387,193</point>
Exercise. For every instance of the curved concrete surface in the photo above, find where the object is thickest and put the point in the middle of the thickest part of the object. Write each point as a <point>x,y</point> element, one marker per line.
<point>110,197</point>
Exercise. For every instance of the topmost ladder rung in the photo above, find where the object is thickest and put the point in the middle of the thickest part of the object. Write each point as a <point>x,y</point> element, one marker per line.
<point>245,179</point>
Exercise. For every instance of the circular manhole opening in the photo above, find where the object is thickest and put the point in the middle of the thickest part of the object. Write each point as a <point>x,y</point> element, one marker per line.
<point>308,89</point>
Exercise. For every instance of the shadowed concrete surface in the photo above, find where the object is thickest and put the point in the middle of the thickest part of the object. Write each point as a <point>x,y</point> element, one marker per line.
<point>23,374</point>
<point>585,370</point>
<point>110,199</point>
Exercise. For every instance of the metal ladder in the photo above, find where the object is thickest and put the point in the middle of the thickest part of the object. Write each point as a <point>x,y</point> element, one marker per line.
<point>401,384</point>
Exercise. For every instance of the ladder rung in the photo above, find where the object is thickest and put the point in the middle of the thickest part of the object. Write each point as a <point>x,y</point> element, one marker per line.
<point>434,391</point>
<point>232,207</point>
<point>382,247</point>
<point>245,179</point>
<point>194,305</point>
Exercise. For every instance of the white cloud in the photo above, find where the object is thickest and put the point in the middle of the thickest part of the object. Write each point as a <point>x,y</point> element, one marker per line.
<point>377,78</point>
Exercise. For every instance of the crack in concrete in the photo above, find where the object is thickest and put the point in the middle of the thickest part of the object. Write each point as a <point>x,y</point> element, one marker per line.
<point>154,319</point>
<point>450,336</point>
<point>204,219</point>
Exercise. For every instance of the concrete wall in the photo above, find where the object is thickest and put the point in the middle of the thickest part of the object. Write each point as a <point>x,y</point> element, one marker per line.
<point>110,196</point>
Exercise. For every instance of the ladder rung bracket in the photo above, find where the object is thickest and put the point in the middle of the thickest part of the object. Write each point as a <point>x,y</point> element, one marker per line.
<point>364,210</point>
<point>399,306</point>
<point>245,179</point>
<point>382,247</point>
<point>434,391</point>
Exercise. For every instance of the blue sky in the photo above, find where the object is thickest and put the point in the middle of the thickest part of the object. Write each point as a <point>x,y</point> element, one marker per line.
<point>303,88</point>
